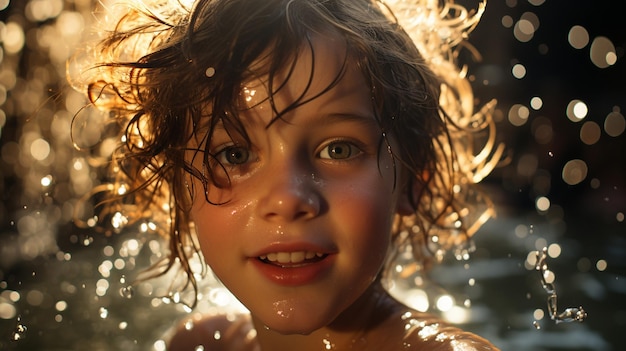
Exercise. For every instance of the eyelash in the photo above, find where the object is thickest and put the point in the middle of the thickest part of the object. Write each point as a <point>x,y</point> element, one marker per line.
<point>222,155</point>
<point>353,149</point>
<point>245,155</point>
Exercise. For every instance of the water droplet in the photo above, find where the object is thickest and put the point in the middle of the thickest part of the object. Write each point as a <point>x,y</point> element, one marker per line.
<point>572,314</point>
<point>20,331</point>
<point>210,72</point>
<point>189,324</point>
<point>127,291</point>
<point>199,348</point>
<point>103,312</point>
<point>87,241</point>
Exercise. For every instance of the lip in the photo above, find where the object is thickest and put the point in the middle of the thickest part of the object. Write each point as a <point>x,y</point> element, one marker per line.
<point>296,275</point>
<point>293,274</point>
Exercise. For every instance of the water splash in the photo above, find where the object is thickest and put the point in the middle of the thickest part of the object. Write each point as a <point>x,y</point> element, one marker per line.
<point>570,314</point>
<point>20,330</point>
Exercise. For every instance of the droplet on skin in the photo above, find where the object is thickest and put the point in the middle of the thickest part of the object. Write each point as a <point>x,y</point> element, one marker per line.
<point>283,308</point>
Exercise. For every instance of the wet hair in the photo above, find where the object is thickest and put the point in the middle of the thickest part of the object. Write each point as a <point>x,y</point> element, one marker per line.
<point>169,71</point>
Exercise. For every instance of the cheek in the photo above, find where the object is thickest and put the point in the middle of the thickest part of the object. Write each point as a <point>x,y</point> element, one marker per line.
<point>215,225</point>
<point>217,249</point>
<point>366,212</point>
<point>208,226</point>
<point>370,198</point>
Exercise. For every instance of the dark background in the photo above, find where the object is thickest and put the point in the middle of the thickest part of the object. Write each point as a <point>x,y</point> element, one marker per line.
<point>50,270</point>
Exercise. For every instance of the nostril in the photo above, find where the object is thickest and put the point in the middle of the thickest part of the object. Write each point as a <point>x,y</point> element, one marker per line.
<point>289,203</point>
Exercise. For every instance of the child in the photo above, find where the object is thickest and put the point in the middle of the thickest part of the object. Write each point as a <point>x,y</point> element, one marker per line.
<point>304,144</point>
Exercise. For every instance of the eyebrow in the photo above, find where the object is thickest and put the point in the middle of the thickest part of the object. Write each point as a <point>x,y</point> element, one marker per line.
<point>348,117</point>
<point>364,118</point>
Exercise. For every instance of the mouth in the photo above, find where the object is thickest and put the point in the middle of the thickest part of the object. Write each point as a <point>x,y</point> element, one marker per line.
<point>292,259</point>
<point>292,267</point>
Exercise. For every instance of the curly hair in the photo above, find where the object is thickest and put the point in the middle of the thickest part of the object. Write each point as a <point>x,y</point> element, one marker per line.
<point>162,62</point>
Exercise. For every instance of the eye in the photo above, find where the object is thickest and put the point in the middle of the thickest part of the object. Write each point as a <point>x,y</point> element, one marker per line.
<point>233,155</point>
<point>339,150</point>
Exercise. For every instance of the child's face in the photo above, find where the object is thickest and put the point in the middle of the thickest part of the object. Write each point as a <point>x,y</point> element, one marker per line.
<point>306,223</point>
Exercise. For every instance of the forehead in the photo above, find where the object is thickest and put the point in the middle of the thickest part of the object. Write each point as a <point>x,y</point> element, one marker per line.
<point>322,68</point>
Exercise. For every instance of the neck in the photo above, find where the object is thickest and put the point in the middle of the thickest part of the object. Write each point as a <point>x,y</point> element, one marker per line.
<point>350,330</point>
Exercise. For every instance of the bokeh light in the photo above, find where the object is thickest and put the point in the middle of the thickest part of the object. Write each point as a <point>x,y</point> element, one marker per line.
<point>578,37</point>
<point>518,115</point>
<point>557,72</point>
<point>576,110</point>
<point>574,172</point>
<point>590,133</point>
<point>602,52</point>
<point>614,124</point>
<point>519,71</point>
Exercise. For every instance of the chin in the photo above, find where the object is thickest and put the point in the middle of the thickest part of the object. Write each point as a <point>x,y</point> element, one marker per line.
<point>296,324</point>
<point>291,327</point>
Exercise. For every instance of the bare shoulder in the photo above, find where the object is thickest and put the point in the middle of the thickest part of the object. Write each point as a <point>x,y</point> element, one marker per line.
<point>214,333</point>
<point>421,331</point>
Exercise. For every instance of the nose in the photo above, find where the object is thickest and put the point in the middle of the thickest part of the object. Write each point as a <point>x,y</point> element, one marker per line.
<point>289,194</point>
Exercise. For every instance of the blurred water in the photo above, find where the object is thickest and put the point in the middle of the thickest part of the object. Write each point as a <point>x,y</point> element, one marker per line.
<point>71,301</point>
<point>557,70</point>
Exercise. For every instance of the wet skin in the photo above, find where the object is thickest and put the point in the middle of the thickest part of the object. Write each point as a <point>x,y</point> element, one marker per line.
<point>306,222</point>
<point>302,231</point>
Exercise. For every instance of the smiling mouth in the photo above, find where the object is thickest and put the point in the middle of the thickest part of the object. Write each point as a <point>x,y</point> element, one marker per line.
<point>290,259</point>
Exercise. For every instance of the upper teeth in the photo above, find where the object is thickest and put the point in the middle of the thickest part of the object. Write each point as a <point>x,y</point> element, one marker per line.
<point>290,257</point>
